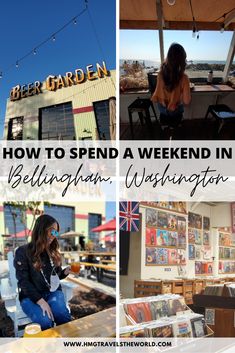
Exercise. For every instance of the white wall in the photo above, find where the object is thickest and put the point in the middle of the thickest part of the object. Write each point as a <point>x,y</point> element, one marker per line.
<point>220,216</point>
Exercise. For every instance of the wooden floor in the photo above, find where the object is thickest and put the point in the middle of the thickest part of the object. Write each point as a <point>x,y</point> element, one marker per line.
<point>198,129</point>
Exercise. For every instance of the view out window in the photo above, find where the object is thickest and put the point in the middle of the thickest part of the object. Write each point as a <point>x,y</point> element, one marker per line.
<point>13,220</point>
<point>15,128</point>
<point>94,220</point>
<point>57,123</point>
<point>64,215</point>
<point>101,110</point>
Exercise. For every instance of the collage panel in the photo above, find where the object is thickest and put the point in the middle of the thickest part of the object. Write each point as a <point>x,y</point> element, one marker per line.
<point>58,82</point>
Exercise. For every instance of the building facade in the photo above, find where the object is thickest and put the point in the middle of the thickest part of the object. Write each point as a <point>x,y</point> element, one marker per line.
<point>79,217</point>
<point>75,106</point>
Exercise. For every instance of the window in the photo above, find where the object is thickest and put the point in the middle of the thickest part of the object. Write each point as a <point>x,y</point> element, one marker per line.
<point>101,110</point>
<point>15,128</point>
<point>57,122</point>
<point>13,220</point>
<point>94,220</point>
<point>63,214</point>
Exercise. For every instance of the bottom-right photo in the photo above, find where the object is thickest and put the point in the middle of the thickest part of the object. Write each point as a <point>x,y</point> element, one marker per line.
<point>177,266</point>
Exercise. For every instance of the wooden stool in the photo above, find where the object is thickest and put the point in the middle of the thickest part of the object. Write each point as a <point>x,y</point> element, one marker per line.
<point>142,107</point>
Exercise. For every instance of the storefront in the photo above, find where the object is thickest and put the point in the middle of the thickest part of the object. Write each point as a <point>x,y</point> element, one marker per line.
<point>72,106</point>
<point>180,240</point>
<point>72,217</point>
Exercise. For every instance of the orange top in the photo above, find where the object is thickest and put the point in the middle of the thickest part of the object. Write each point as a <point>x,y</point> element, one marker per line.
<point>171,100</point>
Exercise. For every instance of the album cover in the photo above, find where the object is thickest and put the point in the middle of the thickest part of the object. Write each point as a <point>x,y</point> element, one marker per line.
<point>162,221</point>
<point>206,238</point>
<point>206,223</point>
<point>181,241</point>
<point>224,239</point>
<point>182,207</point>
<point>198,267</point>
<point>181,257</point>
<point>162,237</point>
<point>161,331</point>
<point>151,236</point>
<point>197,252</point>
<point>172,257</point>
<point>172,222</point>
<point>221,269</point>
<point>159,309</point>
<point>194,220</point>
<point>172,238</point>
<point>151,217</point>
<point>227,253</point>
<point>176,306</point>
<point>132,332</point>
<point>139,312</point>
<point>232,254</point>
<point>210,316</point>
<point>198,236</point>
<point>206,250</point>
<point>221,253</point>
<point>191,236</point>
<point>182,328</point>
<point>191,252</point>
<point>182,225</point>
<point>198,327</point>
<point>208,268</point>
<point>161,256</point>
<point>151,258</point>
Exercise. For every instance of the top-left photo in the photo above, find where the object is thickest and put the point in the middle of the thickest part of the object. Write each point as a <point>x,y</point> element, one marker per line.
<point>58,70</point>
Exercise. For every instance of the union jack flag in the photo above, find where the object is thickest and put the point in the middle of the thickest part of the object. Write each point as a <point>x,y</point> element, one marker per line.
<point>129,216</point>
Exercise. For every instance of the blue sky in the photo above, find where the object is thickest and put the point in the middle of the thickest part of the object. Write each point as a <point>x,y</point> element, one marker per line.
<point>140,44</point>
<point>24,24</point>
<point>110,210</point>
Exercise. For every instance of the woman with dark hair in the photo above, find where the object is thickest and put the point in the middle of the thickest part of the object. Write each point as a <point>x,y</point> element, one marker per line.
<point>38,271</point>
<point>173,88</point>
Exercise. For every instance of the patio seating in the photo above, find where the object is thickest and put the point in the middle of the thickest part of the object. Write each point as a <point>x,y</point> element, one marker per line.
<point>223,115</point>
<point>9,292</point>
<point>142,107</point>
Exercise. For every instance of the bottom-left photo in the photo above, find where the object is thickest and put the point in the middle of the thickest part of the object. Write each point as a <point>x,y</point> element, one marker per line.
<point>57,269</point>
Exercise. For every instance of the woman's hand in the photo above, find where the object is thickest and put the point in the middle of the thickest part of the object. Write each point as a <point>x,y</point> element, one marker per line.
<point>67,270</point>
<point>45,308</point>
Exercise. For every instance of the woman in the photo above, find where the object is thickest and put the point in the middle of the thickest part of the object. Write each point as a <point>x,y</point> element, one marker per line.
<point>173,88</point>
<point>38,271</point>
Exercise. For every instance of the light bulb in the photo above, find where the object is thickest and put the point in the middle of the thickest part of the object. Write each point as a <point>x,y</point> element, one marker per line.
<point>34,52</point>
<point>17,64</point>
<point>222,28</point>
<point>171,2</point>
<point>74,21</point>
<point>1,74</point>
<point>53,38</point>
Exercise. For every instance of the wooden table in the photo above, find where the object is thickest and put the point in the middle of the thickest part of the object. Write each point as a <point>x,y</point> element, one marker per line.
<point>217,90</point>
<point>101,324</point>
<point>99,268</point>
<point>98,254</point>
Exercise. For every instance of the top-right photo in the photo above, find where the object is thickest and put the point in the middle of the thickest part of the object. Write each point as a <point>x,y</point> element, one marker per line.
<point>177,70</point>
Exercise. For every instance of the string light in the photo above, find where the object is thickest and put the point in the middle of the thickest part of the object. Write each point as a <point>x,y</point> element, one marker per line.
<point>0,74</point>
<point>51,37</point>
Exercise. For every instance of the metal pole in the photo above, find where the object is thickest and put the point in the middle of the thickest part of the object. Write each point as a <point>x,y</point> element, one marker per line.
<point>229,58</point>
<point>160,24</point>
